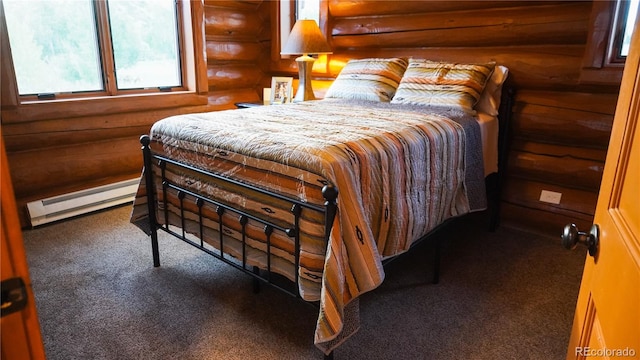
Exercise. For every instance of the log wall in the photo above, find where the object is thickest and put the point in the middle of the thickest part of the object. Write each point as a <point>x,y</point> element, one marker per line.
<point>561,123</point>
<point>237,39</point>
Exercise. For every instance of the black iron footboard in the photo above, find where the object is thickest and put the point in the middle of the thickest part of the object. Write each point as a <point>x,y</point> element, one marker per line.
<point>185,196</point>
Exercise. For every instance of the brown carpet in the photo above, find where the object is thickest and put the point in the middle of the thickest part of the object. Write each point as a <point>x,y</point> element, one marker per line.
<point>502,295</point>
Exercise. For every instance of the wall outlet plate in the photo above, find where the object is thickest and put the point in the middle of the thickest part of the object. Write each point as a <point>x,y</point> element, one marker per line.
<point>551,197</point>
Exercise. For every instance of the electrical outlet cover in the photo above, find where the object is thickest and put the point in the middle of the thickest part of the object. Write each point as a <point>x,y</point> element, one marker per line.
<point>551,197</point>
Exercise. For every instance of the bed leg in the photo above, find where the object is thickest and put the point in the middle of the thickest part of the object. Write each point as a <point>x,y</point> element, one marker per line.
<point>154,248</point>
<point>256,282</point>
<point>145,140</point>
<point>436,260</point>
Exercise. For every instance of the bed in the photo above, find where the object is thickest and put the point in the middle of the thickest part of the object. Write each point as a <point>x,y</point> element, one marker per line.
<point>314,197</point>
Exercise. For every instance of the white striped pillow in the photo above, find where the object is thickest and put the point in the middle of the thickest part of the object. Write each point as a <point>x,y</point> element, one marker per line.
<point>441,84</point>
<point>372,79</point>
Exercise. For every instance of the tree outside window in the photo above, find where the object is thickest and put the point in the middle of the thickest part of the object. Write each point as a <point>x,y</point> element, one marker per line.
<point>72,46</point>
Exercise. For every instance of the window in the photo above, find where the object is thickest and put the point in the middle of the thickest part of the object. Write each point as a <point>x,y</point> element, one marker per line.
<point>289,12</point>
<point>308,9</point>
<point>623,29</point>
<point>611,26</point>
<point>70,48</point>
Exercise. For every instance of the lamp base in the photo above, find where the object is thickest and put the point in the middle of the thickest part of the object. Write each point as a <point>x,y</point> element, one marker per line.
<point>305,91</point>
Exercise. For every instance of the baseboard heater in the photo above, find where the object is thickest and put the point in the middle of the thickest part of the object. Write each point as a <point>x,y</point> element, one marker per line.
<point>81,202</point>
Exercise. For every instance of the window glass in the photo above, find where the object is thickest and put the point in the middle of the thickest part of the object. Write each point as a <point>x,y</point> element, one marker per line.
<point>145,43</point>
<point>628,28</point>
<point>308,9</point>
<point>54,46</point>
<point>94,47</point>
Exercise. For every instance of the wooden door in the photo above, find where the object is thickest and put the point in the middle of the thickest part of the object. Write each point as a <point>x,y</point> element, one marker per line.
<point>607,318</point>
<point>20,335</point>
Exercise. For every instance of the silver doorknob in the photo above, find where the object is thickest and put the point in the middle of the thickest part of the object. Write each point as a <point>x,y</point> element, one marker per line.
<point>571,237</point>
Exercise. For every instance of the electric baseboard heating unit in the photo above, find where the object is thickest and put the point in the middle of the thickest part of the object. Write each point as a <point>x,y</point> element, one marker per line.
<point>81,202</point>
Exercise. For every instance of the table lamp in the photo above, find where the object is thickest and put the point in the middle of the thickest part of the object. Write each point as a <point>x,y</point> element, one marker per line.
<point>305,38</point>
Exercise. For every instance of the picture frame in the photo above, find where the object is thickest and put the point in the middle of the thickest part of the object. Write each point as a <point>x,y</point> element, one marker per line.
<point>281,90</point>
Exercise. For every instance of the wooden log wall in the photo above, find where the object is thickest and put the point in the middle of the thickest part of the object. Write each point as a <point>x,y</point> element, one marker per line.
<point>237,40</point>
<point>560,129</point>
<point>561,124</point>
<point>55,156</point>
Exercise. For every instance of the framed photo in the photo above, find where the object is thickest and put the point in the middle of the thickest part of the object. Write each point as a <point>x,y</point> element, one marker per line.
<point>281,90</point>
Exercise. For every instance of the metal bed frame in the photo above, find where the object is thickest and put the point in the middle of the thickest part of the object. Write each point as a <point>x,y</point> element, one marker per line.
<point>297,207</point>
<point>329,193</point>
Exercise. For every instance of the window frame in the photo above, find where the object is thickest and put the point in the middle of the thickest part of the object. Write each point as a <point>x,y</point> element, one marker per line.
<point>21,108</point>
<point>618,27</point>
<point>600,63</point>
<point>284,13</point>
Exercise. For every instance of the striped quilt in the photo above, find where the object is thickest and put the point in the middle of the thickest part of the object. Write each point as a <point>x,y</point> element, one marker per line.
<point>399,171</point>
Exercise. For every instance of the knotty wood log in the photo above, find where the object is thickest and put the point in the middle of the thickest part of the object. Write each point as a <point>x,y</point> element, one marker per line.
<point>598,155</point>
<point>544,222</point>
<point>544,66</point>
<point>123,105</point>
<point>352,8</point>
<point>244,5</point>
<point>602,103</point>
<point>559,24</point>
<point>505,34</point>
<point>526,193</point>
<point>51,141</point>
<point>232,76</point>
<point>566,171</point>
<point>224,99</point>
<point>226,50</point>
<point>35,170</point>
<point>562,126</point>
<point>232,22</point>
<point>51,134</point>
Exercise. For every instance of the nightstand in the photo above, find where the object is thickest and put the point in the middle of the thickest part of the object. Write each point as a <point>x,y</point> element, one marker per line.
<point>246,105</point>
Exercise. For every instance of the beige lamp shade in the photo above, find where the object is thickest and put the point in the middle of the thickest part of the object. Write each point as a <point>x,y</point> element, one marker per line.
<point>306,38</point>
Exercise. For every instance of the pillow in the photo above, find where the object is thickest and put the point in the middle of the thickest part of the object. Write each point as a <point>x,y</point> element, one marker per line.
<point>489,102</point>
<point>368,79</point>
<point>442,84</point>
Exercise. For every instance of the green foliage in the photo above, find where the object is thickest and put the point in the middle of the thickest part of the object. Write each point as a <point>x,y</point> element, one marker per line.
<point>54,43</point>
<point>143,33</point>
<point>142,30</point>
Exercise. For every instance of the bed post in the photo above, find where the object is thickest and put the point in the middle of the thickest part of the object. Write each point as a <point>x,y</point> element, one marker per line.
<point>506,105</point>
<point>145,140</point>
<point>330,194</point>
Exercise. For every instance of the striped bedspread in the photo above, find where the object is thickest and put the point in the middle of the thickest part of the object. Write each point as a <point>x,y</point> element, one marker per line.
<point>399,171</point>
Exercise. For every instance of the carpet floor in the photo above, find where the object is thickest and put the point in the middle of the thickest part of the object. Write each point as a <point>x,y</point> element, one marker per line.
<point>502,295</point>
